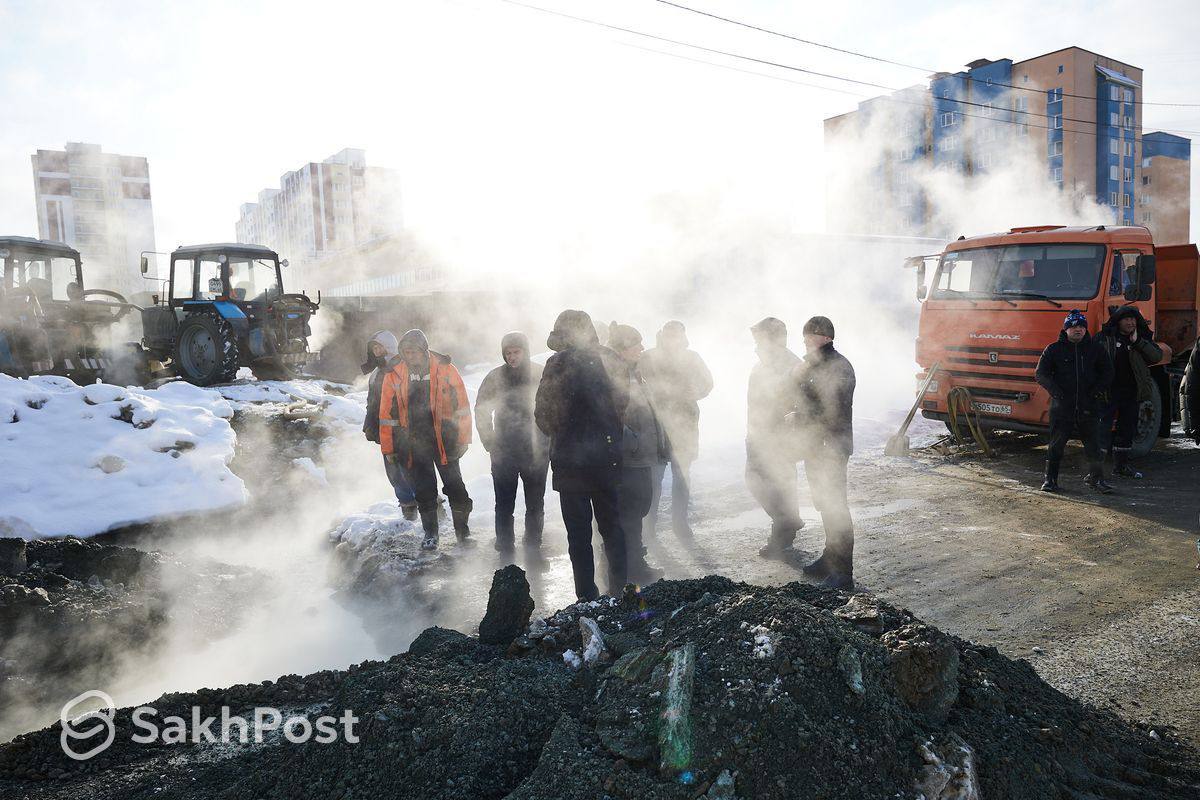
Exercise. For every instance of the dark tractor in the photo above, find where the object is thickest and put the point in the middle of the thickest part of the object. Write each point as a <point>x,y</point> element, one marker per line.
<point>50,324</point>
<point>223,307</point>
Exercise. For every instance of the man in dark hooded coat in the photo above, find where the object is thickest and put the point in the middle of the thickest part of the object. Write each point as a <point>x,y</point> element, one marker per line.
<point>580,405</point>
<point>1127,339</point>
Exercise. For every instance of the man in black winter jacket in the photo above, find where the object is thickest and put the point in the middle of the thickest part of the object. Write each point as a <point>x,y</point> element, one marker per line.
<point>504,418</point>
<point>382,355</point>
<point>580,405</point>
<point>1127,339</point>
<point>1075,370</point>
<point>825,416</point>
<point>1191,394</point>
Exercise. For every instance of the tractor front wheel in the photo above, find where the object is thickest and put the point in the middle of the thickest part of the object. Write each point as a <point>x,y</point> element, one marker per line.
<point>206,350</point>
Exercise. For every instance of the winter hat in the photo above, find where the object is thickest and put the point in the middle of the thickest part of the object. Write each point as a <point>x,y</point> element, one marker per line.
<point>573,328</point>
<point>771,328</point>
<point>673,334</point>
<point>621,337</point>
<point>514,339</point>
<point>1126,311</point>
<point>417,337</point>
<point>821,326</point>
<point>390,348</point>
<point>1075,319</point>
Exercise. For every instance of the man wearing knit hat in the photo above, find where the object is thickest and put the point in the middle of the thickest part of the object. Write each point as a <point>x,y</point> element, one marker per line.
<point>504,417</point>
<point>825,411</point>
<point>425,427</point>
<point>1076,371</point>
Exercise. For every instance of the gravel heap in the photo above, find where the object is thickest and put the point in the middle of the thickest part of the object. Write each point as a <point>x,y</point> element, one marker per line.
<point>698,688</point>
<point>71,609</point>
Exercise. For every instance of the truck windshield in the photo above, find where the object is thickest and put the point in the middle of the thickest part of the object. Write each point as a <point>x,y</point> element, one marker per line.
<point>1065,271</point>
<point>252,279</point>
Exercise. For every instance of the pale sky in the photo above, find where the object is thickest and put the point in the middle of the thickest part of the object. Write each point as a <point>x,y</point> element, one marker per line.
<point>508,125</point>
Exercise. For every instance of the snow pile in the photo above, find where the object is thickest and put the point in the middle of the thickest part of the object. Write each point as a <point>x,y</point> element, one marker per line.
<point>80,460</point>
<point>377,526</point>
<point>331,400</point>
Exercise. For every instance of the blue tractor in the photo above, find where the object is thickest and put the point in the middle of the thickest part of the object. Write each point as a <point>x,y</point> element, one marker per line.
<point>223,307</point>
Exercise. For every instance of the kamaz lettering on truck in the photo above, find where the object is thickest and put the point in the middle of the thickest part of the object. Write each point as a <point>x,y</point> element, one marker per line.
<point>996,301</point>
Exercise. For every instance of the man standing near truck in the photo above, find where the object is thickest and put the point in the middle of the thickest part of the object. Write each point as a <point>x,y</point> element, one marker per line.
<point>1075,370</point>
<point>1130,345</point>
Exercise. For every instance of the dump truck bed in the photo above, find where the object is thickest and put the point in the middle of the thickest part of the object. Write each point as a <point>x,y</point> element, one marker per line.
<point>1178,296</point>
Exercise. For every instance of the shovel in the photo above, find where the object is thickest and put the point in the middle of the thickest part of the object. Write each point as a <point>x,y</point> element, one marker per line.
<point>897,445</point>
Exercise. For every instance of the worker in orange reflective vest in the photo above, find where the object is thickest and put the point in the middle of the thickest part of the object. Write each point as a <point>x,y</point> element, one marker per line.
<point>425,427</point>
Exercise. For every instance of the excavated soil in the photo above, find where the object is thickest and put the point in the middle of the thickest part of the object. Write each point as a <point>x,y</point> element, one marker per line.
<point>794,691</point>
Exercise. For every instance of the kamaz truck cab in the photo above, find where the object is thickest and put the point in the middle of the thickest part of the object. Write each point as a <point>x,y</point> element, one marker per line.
<point>50,323</point>
<point>223,306</point>
<point>996,301</point>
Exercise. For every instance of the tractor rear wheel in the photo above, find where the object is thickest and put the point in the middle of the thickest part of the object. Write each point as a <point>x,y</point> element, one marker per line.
<point>206,350</point>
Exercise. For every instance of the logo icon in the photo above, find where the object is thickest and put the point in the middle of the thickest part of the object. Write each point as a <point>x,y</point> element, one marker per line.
<point>993,358</point>
<point>87,725</point>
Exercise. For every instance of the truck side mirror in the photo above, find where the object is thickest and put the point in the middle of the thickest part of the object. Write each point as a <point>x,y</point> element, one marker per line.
<point>1147,269</point>
<point>1141,276</point>
<point>922,289</point>
<point>283,263</point>
<point>145,265</point>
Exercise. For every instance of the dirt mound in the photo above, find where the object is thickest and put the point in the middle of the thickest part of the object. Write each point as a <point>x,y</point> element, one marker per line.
<point>70,609</point>
<point>700,688</point>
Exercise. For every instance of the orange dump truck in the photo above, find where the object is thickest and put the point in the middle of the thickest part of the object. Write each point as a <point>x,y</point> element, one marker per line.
<point>996,301</point>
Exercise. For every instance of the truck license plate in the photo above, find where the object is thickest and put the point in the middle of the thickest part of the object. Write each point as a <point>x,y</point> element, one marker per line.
<point>993,408</point>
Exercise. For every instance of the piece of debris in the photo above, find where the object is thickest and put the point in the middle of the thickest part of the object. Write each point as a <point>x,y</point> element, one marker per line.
<point>110,464</point>
<point>594,648</point>
<point>675,720</point>
<point>925,664</point>
<point>509,607</point>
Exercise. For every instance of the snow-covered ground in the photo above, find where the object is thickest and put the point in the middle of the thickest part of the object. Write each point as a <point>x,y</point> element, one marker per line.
<point>85,459</point>
<point>81,460</point>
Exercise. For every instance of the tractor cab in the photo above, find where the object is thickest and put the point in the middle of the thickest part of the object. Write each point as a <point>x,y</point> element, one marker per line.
<point>49,322</point>
<point>224,306</point>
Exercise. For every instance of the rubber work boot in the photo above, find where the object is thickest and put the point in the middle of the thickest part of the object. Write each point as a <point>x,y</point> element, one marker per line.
<point>409,510</point>
<point>462,530</point>
<point>430,542</point>
<point>775,548</point>
<point>1051,482</point>
<point>429,522</point>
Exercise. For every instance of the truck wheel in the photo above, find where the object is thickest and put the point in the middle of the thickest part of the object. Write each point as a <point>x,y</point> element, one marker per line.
<point>206,350</point>
<point>1149,422</point>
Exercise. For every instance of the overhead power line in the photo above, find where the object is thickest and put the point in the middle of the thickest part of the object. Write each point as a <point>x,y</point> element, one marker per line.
<point>831,76</point>
<point>928,70</point>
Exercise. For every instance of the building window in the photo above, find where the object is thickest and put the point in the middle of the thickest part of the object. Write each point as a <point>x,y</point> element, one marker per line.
<point>1056,148</point>
<point>1024,79</point>
<point>1057,121</point>
<point>947,119</point>
<point>1114,119</point>
<point>1146,217</point>
<point>1128,175</point>
<point>1055,95</point>
<point>1129,149</point>
<point>1112,198</point>
<point>1145,178</point>
<point>1114,93</point>
<point>1060,68</point>
<point>1023,129</point>
<point>987,134</point>
<point>1128,95</point>
<point>1125,201</point>
<point>1022,103</point>
<point>986,109</point>
<point>1129,122</point>
<point>1114,147</point>
<point>1114,173</point>
<point>1056,174</point>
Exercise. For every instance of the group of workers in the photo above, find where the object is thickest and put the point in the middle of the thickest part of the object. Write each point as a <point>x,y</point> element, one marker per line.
<point>1097,385</point>
<point>609,421</point>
